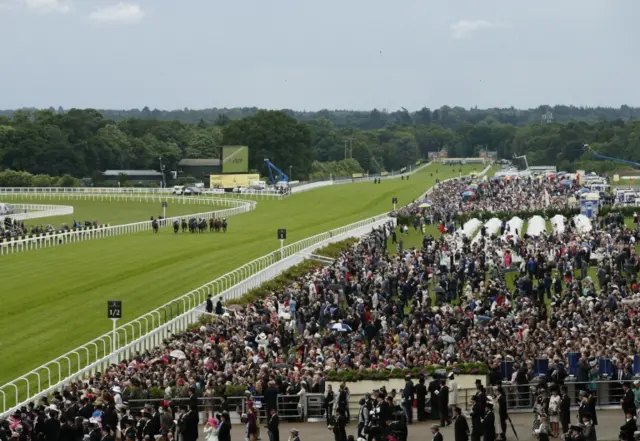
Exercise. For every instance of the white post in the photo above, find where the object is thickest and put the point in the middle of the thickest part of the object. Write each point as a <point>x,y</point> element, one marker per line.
<point>281,249</point>
<point>164,212</point>
<point>114,345</point>
<point>394,207</point>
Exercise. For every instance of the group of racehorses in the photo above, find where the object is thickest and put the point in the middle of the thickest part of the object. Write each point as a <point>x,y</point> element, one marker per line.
<point>195,225</point>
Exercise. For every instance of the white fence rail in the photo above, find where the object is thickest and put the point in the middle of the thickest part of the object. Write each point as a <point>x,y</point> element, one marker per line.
<point>72,236</point>
<point>34,211</point>
<point>318,184</point>
<point>148,331</point>
<point>259,194</point>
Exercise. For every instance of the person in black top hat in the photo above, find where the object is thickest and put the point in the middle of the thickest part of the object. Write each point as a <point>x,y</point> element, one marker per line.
<point>407,399</point>
<point>435,432</point>
<point>628,429</point>
<point>576,433</point>
<point>421,399</point>
<point>460,425</point>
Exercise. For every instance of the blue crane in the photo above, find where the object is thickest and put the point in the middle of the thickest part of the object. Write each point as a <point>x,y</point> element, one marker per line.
<point>280,175</point>
<point>597,155</point>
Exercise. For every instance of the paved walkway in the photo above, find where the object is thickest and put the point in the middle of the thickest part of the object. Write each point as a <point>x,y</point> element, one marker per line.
<point>609,422</point>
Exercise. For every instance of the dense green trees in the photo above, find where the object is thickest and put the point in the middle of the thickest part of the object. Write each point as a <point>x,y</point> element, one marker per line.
<point>82,143</point>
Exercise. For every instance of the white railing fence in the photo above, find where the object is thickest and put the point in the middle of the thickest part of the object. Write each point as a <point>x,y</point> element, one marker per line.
<point>149,330</point>
<point>34,211</point>
<point>318,184</point>
<point>249,193</point>
<point>58,238</point>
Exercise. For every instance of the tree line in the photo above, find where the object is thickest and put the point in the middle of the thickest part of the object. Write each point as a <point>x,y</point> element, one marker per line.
<point>81,143</point>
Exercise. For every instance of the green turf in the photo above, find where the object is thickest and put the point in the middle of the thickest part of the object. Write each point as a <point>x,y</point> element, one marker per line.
<point>113,213</point>
<point>54,299</point>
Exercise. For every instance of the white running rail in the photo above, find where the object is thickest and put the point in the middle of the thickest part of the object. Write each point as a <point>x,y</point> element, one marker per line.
<point>239,206</point>
<point>34,211</point>
<point>318,184</point>
<point>149,330</point>
<point>258,194</point>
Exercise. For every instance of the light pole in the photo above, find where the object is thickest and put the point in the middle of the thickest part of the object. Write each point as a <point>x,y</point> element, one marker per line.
<point>164,182</point>
<point>290,172</point>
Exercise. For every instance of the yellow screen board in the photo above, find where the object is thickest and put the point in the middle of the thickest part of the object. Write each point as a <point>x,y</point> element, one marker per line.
<point>232,181</point>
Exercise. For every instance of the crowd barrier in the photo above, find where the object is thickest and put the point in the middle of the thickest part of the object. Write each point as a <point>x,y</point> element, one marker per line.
<point>263,194</point>
<point>34,211</point>
<point>79,235</point>
<point>149,330</point>
<point>607,394</point>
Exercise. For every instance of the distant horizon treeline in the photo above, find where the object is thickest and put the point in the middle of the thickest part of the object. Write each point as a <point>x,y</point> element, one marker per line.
<point>82,143</point>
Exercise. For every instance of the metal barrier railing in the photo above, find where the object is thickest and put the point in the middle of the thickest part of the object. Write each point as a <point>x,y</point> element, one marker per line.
<point>312,407</point>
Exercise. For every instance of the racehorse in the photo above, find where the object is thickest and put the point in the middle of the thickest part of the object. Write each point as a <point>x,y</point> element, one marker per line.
<point>212,225</point>
<point>176,226</point>
<point>202,226</point>
<point>192,225</point>
<point>154,225</point>
<point>184,225</point>
<point>224,225</point>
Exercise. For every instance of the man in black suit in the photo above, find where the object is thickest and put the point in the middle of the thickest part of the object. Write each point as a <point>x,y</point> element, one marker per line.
<point>564,410</point>
<point>628,400</point>
<point>209,307</point>
<point>421,399</point>
<point>435,432</point>
<point>628,428</point>
<point>407,399</point>
<point>443,399</point>
<point>273,426</point>
<point>460,425</point>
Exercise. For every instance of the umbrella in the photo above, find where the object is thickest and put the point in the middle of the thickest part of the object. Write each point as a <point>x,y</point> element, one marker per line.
<point>448,339</point>
<point>473,186</point>
<point>513,428</point>
<point>566,182</point>
<point>341,327</point>
<point>425,204</point>
<point>177,354</point>
<point>468,193</point>
<point>438,289</point>
<point>234,307</point>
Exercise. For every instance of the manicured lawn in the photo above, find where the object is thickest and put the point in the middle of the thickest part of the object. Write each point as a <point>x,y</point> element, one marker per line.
<point>54,299</point>
<point>106,212</point>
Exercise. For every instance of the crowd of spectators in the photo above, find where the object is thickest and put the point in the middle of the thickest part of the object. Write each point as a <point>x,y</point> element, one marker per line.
<point>450,300</point>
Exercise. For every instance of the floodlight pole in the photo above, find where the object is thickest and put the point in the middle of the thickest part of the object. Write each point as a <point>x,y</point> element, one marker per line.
<point>164,182</point>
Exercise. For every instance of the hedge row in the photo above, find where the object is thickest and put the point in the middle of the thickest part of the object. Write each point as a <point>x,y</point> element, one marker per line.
<point>526,214</point>
<point>292,274</point>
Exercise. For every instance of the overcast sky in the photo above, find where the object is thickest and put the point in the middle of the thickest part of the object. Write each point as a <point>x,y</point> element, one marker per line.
<point>302,54</point>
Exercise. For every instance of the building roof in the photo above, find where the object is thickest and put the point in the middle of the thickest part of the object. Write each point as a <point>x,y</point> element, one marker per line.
<point>199,162</point>
<point>150,173</point>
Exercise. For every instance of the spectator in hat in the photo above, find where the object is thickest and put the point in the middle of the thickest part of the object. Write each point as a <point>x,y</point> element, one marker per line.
<point>629,427</point>
<point>435,432</point>
<point>209,307</point>
<point>295,435</point>
<point>489,422</point>
<point>589,430</point>
<point>628,400</point>
<point>273,425</point>
<point>224,427</point>
<point>443,400</point>
<point>421,399</point>
<point>407,399</point>
<point>576,433</point>
<point>460,425</point>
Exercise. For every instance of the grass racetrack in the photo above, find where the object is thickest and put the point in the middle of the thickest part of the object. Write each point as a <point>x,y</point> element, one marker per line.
<point>55,299</point>
<point>110,212</point>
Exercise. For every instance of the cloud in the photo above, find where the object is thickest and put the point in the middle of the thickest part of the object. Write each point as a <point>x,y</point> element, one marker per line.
<point>119,13</point>
<point>46,6</point>
<point>464,28</point>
